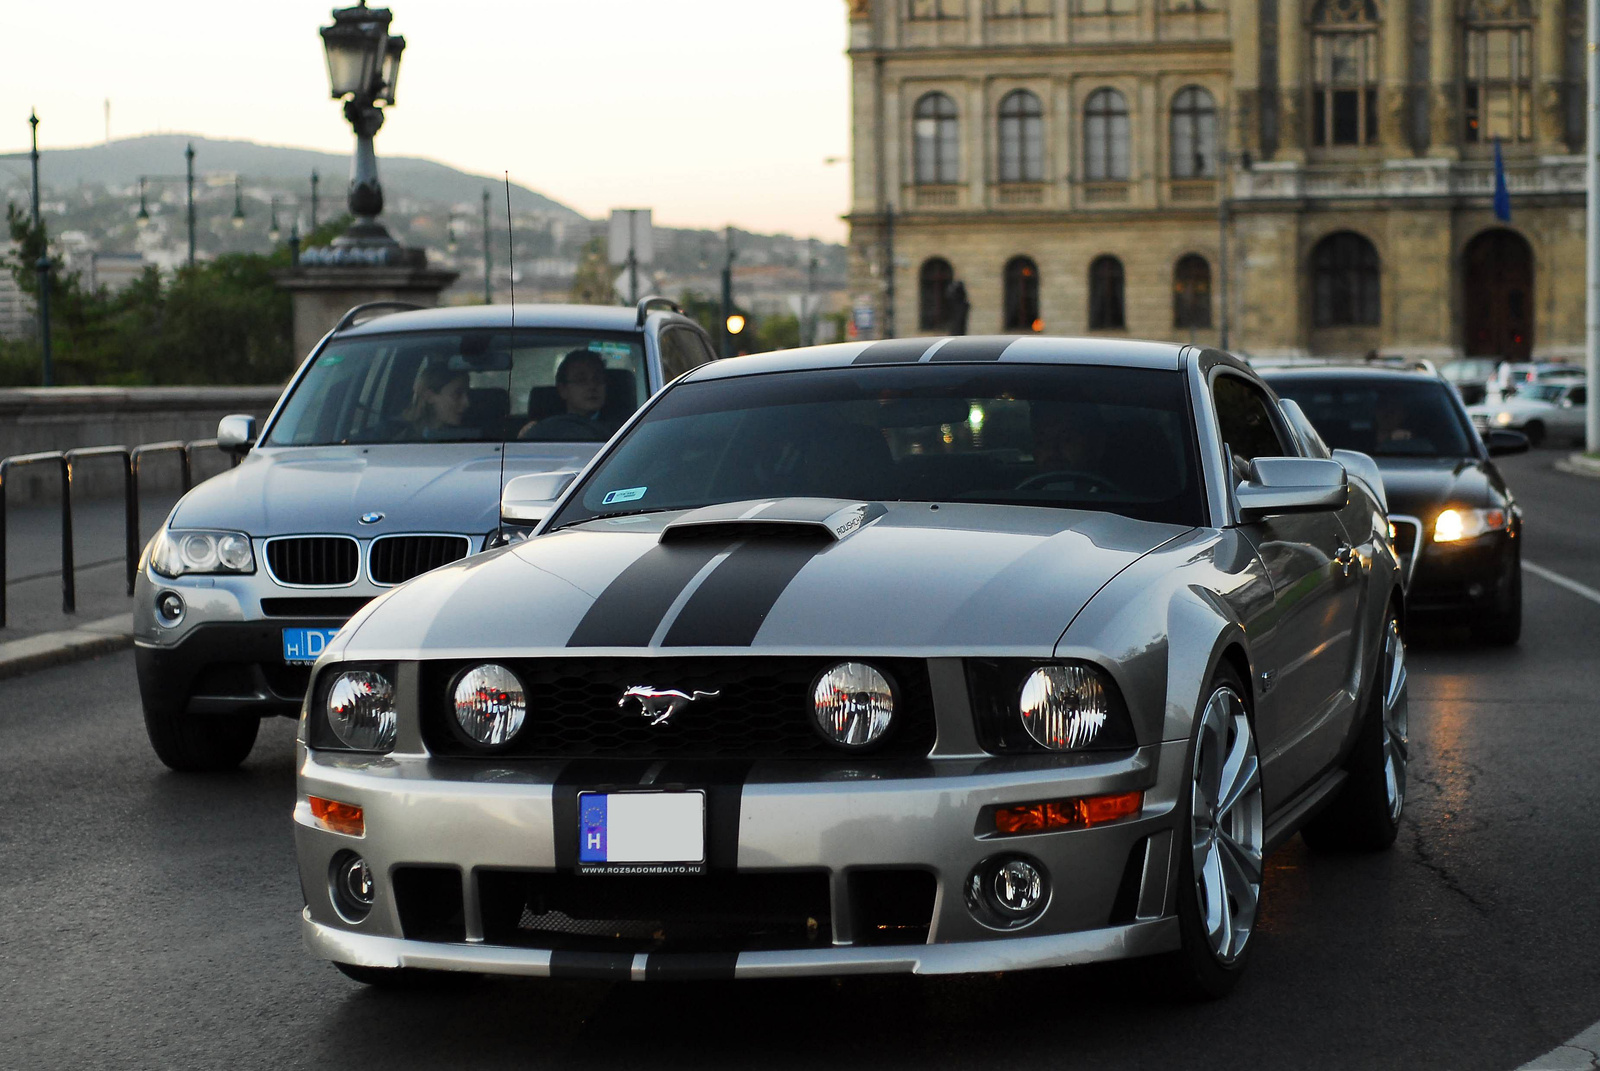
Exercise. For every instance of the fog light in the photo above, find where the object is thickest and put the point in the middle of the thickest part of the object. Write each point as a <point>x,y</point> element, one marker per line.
<point>169,607</point>
<point>1007,891</point>
<point>351,886</point>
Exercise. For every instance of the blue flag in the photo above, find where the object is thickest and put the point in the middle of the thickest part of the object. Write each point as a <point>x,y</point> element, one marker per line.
<point>1502,196</point>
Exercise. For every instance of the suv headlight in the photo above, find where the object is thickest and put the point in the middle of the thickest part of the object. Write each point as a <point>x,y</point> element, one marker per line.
<point>1454,525</point>
<point>184,551</point>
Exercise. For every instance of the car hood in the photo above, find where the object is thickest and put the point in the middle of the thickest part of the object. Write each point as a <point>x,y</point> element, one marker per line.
<point>434,487</point>
<point>1421,486</point>
<point>953,579</point>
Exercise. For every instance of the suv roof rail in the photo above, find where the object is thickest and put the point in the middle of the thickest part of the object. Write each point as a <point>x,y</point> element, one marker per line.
<point>655,299</point>
<point>392,306</point>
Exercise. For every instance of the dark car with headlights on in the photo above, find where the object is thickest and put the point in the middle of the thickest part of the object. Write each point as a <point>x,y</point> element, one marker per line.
<point>1457,525</point>
<point>922,655</point>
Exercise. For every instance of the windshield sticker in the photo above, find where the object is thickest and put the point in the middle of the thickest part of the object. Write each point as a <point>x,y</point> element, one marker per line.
<point>616,351</point>
<point>626,494</point>
<point>333,358</point>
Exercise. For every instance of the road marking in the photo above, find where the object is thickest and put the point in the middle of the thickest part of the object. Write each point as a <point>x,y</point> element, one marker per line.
<point>1560,581</point>
<point>1578,1054</point>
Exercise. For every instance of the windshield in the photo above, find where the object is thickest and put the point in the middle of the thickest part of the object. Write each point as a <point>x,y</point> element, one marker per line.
<point>467,386</point>
<point>1542,392</point>
<point>1111,439</point>
<point>1384,418</point>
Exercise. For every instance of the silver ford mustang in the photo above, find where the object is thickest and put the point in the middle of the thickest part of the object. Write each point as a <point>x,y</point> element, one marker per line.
<point>932,655</point>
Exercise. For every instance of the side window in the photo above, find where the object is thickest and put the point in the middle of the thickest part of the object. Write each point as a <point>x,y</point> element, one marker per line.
<point>680,351</point>
<point>1246,421</point>
<point>1579,395</point>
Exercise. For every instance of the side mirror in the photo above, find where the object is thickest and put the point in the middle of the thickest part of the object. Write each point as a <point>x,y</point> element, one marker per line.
<point>1292,485</point>
<point>236,434</point>
<point>527,500</point>
<point>1502,441</point>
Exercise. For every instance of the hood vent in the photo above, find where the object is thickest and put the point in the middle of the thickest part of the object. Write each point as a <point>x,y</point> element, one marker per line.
<point>826,519</point>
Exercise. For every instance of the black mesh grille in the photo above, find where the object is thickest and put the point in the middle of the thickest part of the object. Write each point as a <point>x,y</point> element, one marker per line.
<point>716,912</point>
<point>314,560</point>
<point>762,709</point>
<point>396,559</point>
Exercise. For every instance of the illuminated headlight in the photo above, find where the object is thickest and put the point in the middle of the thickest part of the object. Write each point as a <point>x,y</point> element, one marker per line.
<point>361,710</point>
<point>490,704</point>
<point>1503,418</point>
<point>179,552</point>
<point>1064,707</point>
<point>1454,525</point>
<point>853,705</point>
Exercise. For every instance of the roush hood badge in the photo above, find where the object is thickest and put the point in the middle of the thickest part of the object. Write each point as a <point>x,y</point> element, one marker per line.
<point>371,518</point>
<point>660,704</point>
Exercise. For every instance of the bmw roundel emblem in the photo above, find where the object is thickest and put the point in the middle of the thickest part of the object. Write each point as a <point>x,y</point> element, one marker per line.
<point>371,518</point>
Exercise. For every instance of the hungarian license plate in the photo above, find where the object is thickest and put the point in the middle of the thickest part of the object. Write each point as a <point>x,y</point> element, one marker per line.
<point>303,646</point>
<point>642,832</point>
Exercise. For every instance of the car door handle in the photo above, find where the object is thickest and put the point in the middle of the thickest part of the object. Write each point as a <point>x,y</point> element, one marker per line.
<point>1345,557</point>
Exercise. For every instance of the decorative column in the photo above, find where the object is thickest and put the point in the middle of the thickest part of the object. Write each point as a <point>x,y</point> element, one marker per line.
<point>1243,123</point>
<point>1392,38</point>
<point>1444,126</point>
<point>975,125</point>
<point>1291,90</point>
<point>1549,122</point>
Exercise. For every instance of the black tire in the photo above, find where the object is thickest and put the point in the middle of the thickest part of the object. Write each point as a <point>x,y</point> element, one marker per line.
<point>199,743</point>
<point>1535,433</point>
<point>1502,627</point>
<point>403,978</point>
<point>1364,816</point>
<point>1195,971</point>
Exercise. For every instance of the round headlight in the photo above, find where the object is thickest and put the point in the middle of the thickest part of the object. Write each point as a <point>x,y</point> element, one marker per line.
<point>361,710</point>
<point>1064,707</point>
<point>853,705</point>
<point>199,551</point>
<point>490,704</point>
<point>233,551</point>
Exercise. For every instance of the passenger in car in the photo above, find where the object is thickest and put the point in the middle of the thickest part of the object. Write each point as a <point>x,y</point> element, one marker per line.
<point>581,386</point>
<point>439,399</point>
<point>1066,438</point>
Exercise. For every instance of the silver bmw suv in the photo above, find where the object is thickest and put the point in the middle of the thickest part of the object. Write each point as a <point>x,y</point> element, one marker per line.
<point>384,458</point>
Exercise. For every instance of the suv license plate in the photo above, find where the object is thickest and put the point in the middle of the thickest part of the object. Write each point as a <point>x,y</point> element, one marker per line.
<point>642,832</point>
<point>303,646</point>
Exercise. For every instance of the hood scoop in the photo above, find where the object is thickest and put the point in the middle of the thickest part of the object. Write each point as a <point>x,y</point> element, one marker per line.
<point>825,519</point>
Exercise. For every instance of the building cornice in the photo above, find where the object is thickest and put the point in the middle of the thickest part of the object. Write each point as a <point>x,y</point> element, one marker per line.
<point>1221,46</point>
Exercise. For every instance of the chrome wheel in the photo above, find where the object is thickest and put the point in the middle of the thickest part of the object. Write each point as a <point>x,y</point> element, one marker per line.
<point>1395,718</point>
<point>1225,827</point>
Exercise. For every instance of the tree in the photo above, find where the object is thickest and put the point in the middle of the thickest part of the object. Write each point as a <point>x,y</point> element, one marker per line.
<point>592,283</point>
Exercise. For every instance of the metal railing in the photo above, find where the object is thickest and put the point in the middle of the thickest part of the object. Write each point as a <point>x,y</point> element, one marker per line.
<point>67,462</point>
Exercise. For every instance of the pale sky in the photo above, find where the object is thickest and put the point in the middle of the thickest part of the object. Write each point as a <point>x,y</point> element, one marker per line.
<point>712,112</point>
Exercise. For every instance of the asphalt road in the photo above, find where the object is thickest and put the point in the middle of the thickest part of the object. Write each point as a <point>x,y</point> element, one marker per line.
<point>149,920</point>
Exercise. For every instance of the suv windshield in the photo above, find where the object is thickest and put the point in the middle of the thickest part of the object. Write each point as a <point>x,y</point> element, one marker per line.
<point>1111,439</point>
<point>1384,418</point>
<point>467,386</point>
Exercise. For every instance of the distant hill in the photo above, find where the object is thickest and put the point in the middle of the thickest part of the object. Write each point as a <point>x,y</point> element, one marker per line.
<point>121,162</point>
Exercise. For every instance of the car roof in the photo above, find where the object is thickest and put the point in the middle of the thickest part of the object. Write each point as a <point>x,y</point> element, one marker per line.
<point>1334,371</point>
<point>1027,349</point>
<point>458,317</point>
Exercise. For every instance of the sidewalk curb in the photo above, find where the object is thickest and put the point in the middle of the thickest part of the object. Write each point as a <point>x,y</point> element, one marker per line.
<point>1577,464</point>
<point>73,645</point>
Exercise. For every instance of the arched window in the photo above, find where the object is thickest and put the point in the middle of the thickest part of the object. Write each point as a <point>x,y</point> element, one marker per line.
<point>1106,309</point>
<point>1021,137</point>
<point>1345,281</point>
<point>1022,295</point>
<point>933,285</point>
<point>1344,72</point>
<point>937,133</point>
<point>1194,134</point>
<point>1105,136</point>
<point>1497,90</point>
<point>1191,292</point>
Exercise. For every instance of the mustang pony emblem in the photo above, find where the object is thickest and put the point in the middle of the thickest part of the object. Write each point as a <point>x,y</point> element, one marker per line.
<point>660,704</point>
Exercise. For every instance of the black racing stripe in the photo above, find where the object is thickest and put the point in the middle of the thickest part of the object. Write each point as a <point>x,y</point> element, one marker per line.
<point>895,351</point>
<point>690,966</point>
<point>974,349</point>
<point>729,607</point>
<point>723,781</point>
<point>585,775</point>
<point>606,966</point>
<point>629,609</point>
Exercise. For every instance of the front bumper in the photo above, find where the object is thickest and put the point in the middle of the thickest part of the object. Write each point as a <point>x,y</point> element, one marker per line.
<point>1471,576</point>
<point>476,826</point>
<point>227,667</point>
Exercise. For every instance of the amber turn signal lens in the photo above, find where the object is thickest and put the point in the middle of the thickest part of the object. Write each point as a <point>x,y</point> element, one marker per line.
<point>1067,814</point>
<point>343,818</point>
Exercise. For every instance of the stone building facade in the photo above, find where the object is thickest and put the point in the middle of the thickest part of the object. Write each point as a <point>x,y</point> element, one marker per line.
<point>1085,166</point>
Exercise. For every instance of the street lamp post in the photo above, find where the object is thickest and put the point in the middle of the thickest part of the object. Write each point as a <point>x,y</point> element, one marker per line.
<point>43,264</point>
<point>363,67</point>
<point>488,277</point>
<point>727,299</point>
<point>238,203</point>
<point>188,156</point>
<point>315,178</point>
<point>143,218</point>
